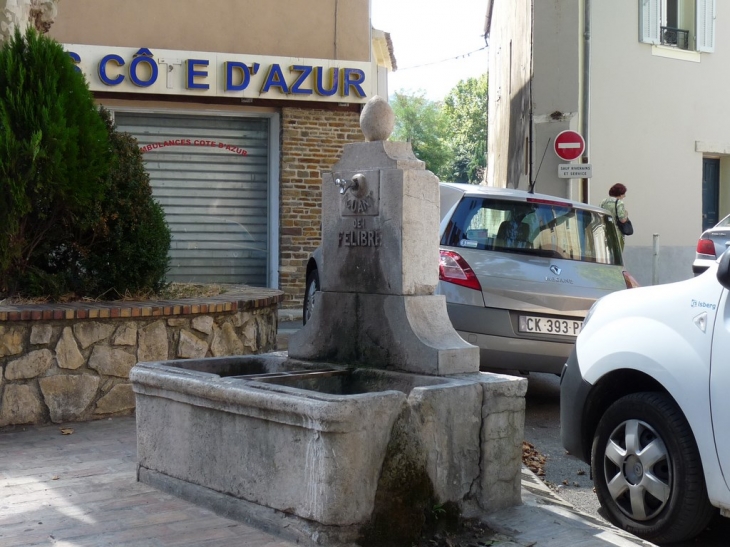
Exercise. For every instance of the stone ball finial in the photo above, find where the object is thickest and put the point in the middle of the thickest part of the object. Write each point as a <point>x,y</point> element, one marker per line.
<point>377,119</point>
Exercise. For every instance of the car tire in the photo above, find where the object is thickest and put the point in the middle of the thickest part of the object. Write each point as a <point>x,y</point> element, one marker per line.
<point>647,469</point>
<point>310,289</point>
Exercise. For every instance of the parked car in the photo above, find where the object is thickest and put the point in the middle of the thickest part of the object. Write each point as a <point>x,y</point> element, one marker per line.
<point>643,399</point>
<point>519,272</point>
<point>712,244</point>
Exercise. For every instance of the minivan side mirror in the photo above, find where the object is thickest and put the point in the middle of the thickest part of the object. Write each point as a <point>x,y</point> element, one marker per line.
<point>723,270</point>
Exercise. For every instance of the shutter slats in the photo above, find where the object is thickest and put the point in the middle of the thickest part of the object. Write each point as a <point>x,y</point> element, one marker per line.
<point>705,30</point>
<point>649,21</point>
<point>215,200</point>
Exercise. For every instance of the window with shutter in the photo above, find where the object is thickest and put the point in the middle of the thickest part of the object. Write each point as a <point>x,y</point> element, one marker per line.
<point>649,21</point>
<point>681,24</point>
<point>705,32</point>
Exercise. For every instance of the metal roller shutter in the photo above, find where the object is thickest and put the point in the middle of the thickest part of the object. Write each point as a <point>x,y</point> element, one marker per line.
<point>210,174</point>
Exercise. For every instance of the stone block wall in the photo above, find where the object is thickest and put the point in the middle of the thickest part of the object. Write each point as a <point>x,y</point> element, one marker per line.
<point>19,13</point>
<point>71,363</point>
<point>503,428</point>
<point>312,142</point>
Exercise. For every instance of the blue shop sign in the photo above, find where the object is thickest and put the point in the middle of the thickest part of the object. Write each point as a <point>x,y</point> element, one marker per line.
<point>176,72</point>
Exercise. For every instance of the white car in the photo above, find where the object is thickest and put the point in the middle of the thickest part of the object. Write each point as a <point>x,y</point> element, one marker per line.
<point>644,400</point>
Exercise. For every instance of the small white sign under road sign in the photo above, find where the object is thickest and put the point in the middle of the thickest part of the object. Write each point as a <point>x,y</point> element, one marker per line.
<point>577,171</point>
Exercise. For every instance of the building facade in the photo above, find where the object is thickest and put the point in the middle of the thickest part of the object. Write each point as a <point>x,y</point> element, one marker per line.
<point>644,82</point>
<point>240,108</point>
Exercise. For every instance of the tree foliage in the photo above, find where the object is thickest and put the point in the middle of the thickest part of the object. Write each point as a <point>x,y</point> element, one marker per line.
<point>54,152</point>
<point>450,136</point>
<point>75,201</point>
<point>465,111</point>
<point>126,249</point>
<point>420,122</point>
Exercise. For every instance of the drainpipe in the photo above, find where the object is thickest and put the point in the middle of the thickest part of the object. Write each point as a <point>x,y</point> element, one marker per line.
<point>586,96</point>
<point>655,260</point>
<point>531,121</point>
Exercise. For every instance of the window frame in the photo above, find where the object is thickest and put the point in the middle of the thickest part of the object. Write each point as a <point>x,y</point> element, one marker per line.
<point>653,13</point>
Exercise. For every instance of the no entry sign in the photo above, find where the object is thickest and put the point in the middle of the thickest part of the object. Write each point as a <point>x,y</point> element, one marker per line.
<point>569,145</point>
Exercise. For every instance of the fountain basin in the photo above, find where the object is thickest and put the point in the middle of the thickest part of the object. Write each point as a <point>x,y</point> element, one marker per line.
<point>313,451</point>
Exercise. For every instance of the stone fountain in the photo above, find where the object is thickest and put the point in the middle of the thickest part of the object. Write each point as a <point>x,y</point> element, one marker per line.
<point>378,420</point>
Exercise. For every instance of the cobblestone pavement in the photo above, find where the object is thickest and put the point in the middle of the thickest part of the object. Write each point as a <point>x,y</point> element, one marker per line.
<point>80,489</point>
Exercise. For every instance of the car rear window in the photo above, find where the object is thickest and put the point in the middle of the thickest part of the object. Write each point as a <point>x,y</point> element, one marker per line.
<point>549,229</point>
<point>724,223</point>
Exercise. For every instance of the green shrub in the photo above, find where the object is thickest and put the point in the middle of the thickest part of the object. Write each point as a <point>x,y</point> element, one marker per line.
<point>54,157</point>
<point>130,240</point>
<point>76,207</point>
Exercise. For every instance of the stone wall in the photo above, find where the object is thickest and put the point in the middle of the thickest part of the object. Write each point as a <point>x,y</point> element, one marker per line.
<point>312,143</point>
<point>19,13</point>
<point>71,363</point>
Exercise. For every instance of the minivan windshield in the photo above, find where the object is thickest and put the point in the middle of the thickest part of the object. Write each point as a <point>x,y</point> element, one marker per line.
<point>540,228</point>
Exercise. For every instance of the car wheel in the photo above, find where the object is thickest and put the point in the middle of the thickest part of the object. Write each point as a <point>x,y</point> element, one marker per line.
<point>647,469</point>
<point>310,290</point>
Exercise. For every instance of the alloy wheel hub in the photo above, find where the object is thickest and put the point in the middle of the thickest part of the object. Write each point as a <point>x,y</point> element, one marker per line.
<point>637,470</point>
<point>633,470</point>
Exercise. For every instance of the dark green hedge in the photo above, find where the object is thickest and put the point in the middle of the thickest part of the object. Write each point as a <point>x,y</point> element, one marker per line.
<point>76,210</point>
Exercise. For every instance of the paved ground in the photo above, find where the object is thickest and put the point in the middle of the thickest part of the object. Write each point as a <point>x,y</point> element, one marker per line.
<point>79,489</point>
<point>568,474</point>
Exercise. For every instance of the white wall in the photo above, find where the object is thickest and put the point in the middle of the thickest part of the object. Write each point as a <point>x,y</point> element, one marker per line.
<point>652,116</point>
<point>649,114</point>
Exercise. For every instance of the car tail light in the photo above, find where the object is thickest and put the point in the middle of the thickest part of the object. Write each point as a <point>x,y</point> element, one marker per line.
<point>706,247</point>
<point>631,283</point>
<point>454,269</point>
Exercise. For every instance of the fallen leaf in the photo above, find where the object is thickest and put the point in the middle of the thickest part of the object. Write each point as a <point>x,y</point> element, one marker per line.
<point>532,459</point>
<point>66,431</point>
<point>581,472</point>
<point>565,482</point>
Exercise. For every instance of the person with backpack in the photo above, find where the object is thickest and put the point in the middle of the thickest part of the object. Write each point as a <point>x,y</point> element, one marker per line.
<point>615,205</point>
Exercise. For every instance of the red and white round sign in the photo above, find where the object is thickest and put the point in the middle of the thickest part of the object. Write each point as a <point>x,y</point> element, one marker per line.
<point>569,145</point>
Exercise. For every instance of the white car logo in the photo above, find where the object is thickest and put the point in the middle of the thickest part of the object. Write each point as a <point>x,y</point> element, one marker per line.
<point>555,270</point>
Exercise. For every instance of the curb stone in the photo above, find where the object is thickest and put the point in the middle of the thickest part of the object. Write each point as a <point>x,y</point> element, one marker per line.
<point>546,520</point>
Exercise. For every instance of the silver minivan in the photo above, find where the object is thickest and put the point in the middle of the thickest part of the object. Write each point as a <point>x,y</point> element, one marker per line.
<point>521,270</point>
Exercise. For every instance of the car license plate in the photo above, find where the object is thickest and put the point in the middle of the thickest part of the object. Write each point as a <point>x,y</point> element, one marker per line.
<point>547,325</point>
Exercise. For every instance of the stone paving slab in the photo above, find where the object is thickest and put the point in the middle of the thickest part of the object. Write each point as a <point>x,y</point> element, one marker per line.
<point>546,520</point>
<point>80,490</point>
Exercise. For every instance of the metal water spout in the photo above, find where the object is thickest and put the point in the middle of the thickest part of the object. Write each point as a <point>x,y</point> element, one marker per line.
<point>355,183</point>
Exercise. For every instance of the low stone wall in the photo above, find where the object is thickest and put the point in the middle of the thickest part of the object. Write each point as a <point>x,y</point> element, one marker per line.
<point>66,363</point>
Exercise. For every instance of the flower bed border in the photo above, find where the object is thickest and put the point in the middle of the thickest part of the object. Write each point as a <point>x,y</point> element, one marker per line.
<point>70,362</point>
